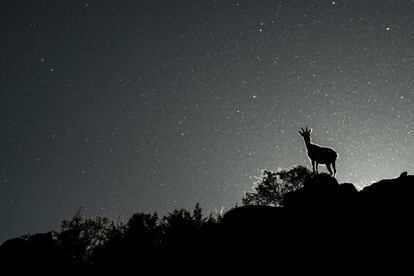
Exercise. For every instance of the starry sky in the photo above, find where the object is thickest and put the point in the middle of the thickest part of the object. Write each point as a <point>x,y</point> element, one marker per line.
<point>141,106</point>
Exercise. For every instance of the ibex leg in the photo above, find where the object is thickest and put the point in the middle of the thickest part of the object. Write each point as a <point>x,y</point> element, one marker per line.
<point>334,168</point>
<point>328,166</point>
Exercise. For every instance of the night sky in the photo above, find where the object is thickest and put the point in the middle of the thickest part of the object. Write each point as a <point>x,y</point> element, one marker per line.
<point>141,106</point>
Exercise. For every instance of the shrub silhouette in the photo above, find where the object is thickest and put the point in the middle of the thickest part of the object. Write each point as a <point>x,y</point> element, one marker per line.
<point>273,186</point>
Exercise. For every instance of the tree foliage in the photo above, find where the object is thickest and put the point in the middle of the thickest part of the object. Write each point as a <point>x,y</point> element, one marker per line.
<point>99,240</point>
<point>272,186</point>
<point>79,236</point>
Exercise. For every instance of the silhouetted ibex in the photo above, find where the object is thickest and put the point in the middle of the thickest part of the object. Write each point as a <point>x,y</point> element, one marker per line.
<point>319,155</point>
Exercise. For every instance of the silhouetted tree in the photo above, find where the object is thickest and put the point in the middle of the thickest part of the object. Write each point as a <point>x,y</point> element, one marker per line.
<point>180,231</point>
<point>112,249</point>
<point>79,236</point>
<point>131,243</point>
<point>143,232</point>
<point>272,187</point>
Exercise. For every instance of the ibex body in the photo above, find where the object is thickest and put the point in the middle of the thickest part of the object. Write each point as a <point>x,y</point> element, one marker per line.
<point>319,155</point>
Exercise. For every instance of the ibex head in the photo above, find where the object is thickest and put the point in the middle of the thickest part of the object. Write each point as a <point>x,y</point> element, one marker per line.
<point>305,132</point>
